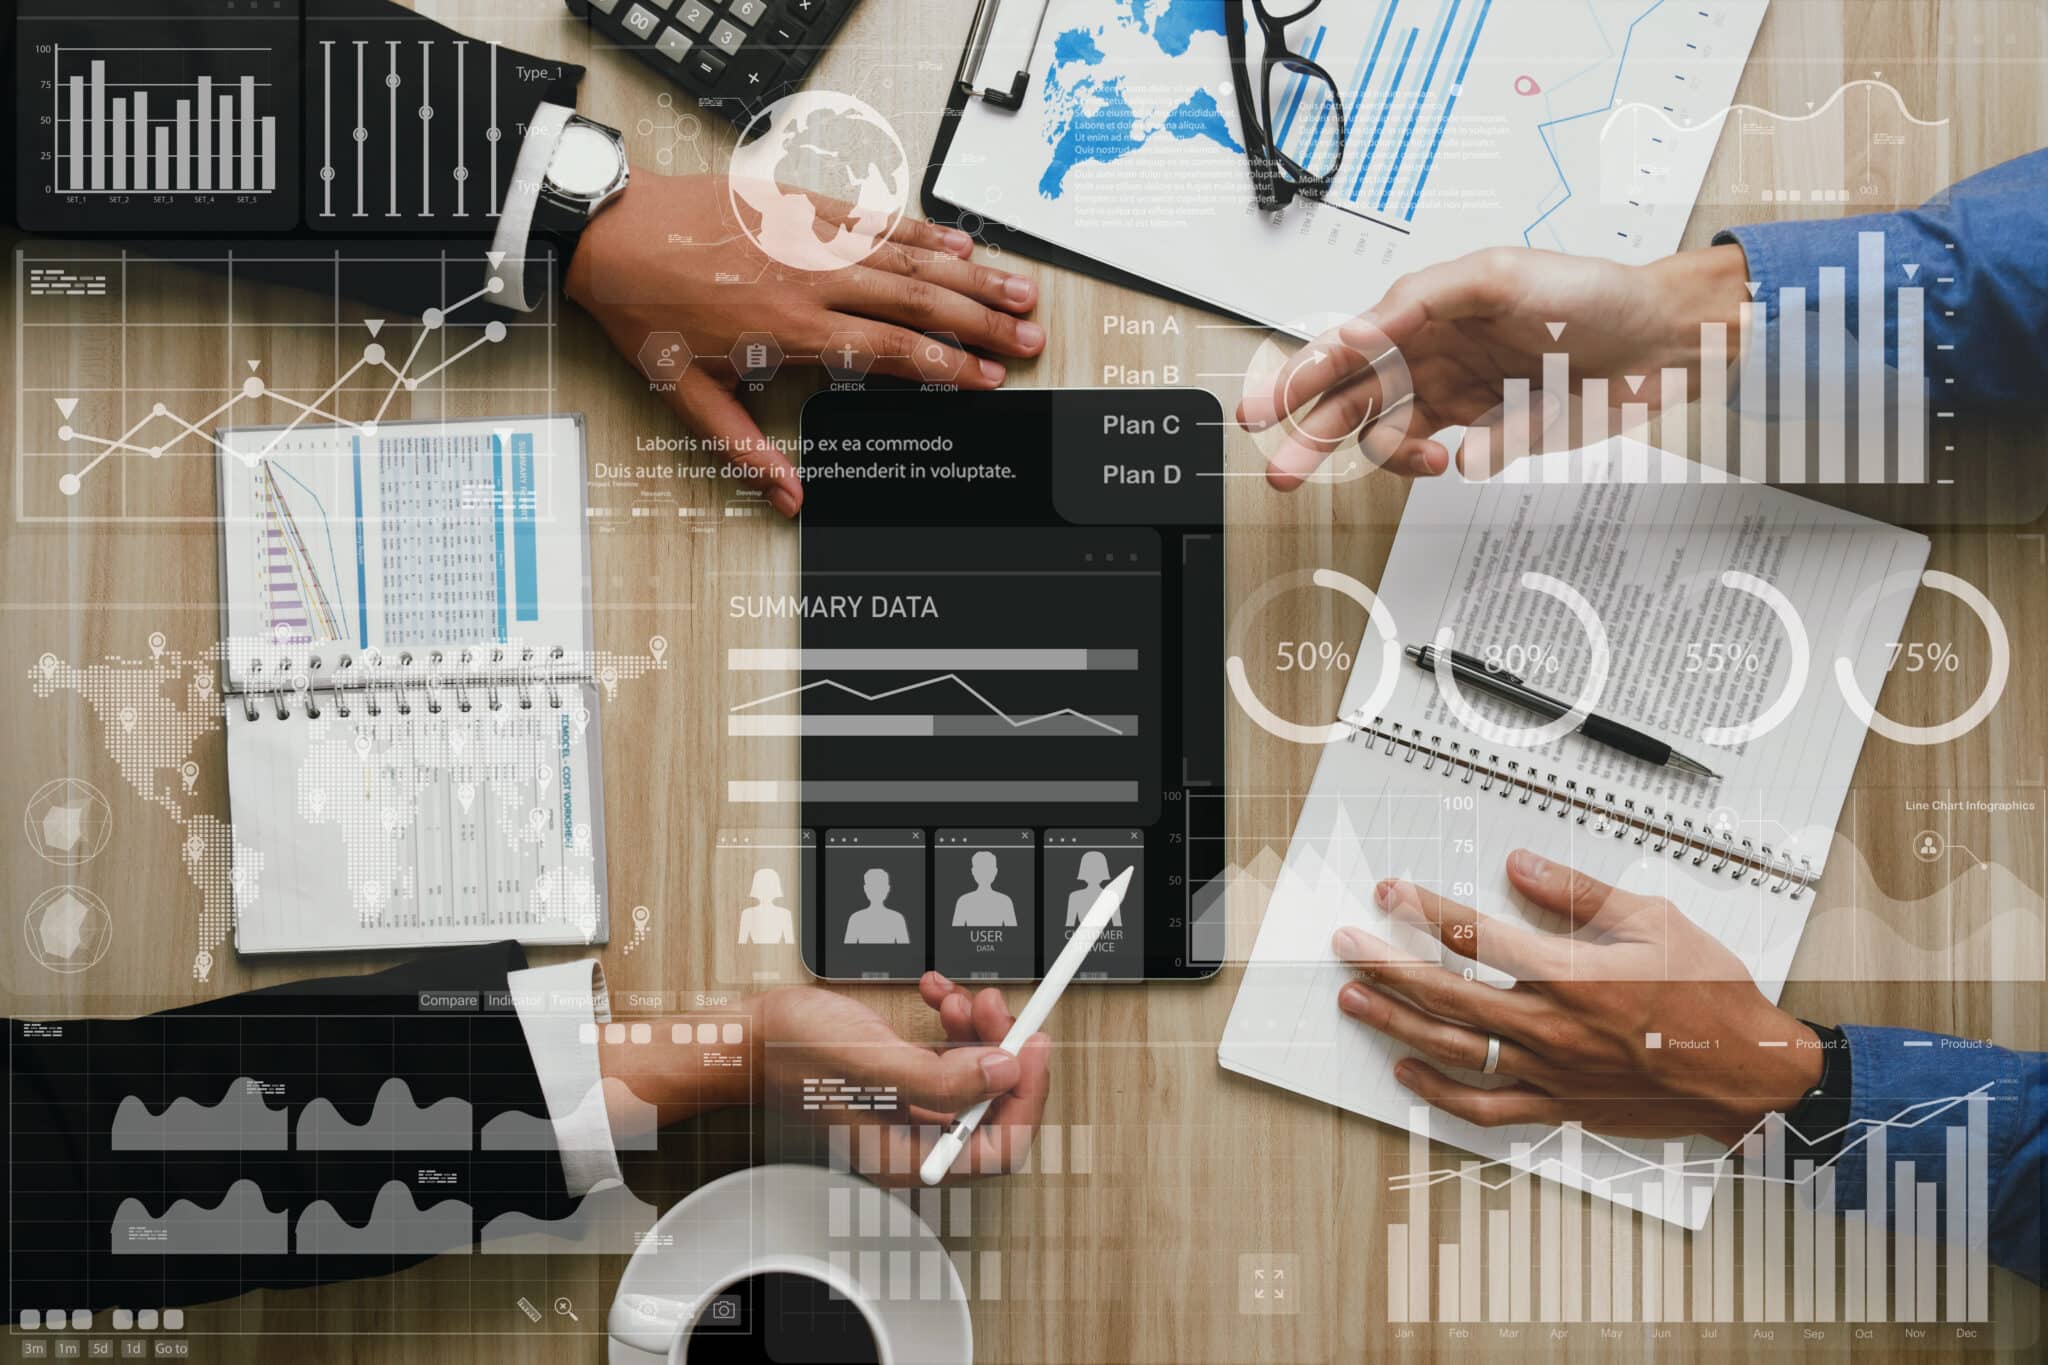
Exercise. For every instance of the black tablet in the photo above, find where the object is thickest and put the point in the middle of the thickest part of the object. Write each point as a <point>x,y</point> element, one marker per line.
<point>1010,686</point>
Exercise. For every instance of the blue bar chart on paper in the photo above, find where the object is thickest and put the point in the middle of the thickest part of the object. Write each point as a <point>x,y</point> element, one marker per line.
<point>1443,126</point>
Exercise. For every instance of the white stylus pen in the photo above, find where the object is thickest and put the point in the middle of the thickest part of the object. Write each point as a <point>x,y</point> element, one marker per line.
<point>950,1142</point>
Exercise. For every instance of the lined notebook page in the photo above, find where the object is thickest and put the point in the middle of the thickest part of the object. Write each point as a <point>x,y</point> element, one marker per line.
<point>395,829</point>
<point>414,537</point>
<point>1692,654</point>
<point>1370,815</point>
<point>1649,560</point>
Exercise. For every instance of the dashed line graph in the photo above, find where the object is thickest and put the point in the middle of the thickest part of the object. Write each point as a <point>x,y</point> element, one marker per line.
<point>105,377</point>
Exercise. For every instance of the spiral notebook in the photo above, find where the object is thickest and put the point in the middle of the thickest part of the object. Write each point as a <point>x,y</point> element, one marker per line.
<point>413,752</point>
<point>1738,617</point>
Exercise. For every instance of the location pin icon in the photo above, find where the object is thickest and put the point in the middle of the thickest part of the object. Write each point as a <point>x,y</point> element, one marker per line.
<point>466,793</point>
<point>641,914</point>
<point>657,646</point>
<point>156,644</point>
<point>190,772</point>
<point>128,718</point>
<point>49,665</point>
<point>537,818</point>
<point>363,743</point>
<point>316,801</point>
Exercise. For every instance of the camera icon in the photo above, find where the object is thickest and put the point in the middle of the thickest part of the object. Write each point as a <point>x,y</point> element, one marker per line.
<point>725,1310</point>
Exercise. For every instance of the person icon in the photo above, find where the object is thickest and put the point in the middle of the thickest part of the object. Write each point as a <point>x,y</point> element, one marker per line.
<point>1094,872</point>
<point>984,906</point>
<point>875,922</point>
<point>766,920</point>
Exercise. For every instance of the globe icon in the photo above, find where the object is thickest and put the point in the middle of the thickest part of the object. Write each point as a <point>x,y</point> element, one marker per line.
<point>831,143</point>
<point>67,821</point>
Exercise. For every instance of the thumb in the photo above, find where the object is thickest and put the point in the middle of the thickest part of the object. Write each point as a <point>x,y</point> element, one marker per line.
<point>717,414</point>
<point>947,1081</point>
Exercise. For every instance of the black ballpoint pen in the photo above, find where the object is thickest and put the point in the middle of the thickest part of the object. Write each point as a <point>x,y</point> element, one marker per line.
<point>1509,688</point>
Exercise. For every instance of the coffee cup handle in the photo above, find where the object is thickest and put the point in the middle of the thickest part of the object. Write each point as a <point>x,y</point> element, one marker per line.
<point>648,1322</point>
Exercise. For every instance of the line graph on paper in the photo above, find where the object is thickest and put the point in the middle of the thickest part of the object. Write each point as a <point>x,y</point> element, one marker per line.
<point>119,391</point>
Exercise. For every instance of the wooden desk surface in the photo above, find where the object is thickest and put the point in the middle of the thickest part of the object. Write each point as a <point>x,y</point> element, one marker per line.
<point>1194,1168</point>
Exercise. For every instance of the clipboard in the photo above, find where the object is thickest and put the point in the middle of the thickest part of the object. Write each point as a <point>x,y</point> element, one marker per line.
<point>968,84</point>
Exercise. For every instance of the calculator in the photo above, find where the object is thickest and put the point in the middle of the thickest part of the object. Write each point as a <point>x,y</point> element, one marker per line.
<point>735,56</point>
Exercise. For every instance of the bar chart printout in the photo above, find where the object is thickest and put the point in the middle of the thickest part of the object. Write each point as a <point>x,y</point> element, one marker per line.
<point>1779,1243</point>
<point>201,134</point>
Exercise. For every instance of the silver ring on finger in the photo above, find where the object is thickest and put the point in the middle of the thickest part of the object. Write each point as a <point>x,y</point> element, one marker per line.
<point>1492,1055</point>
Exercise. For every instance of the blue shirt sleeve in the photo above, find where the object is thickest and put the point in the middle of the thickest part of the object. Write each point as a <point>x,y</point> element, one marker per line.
<point>1976,250</point>
<point>1902,1078</point>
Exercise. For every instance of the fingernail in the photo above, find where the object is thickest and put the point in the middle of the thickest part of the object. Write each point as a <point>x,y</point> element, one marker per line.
<point>992,372</point>
<point>1019,289</point>
<point>783,500</point>
<point>1404,1073</point>
<point>1348,943</point>
<point>1384,894</point>
<point>958,242</point>
<point>1352,999</point>
<point>944,982</point>
<point>999,1070</point>
<point>1030,335</point>
<point>1361,330</point>
<point>1523,863</point>
<point>1438,461</point>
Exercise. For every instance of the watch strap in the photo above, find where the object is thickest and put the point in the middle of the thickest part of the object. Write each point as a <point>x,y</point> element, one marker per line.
<point>1814,1125</point>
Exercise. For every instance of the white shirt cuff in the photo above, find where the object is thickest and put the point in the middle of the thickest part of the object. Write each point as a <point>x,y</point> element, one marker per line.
<point>560,1008</point>
<point>515,217</point>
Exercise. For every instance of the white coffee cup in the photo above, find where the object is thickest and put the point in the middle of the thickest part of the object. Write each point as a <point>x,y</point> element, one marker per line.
<point>664,1326</point>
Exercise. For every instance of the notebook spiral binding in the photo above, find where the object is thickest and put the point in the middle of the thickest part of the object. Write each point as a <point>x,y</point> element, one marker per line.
<point>1660,831</point>
<point>405,684</point>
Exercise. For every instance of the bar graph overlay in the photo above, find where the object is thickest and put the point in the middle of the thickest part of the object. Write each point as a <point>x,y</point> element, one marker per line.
<point>1837,392</point>
<point>195,130</point>
<point>1775,1240</point>
<point>198,137</point>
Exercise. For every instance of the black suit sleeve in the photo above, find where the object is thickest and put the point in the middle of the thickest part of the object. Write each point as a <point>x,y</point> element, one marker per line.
<point>125,1132</point>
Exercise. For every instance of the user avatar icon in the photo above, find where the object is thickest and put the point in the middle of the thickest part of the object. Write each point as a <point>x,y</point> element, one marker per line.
<point>984,906</point>
<point>876,922</point>
<point>766,919</point>
<point>1094,871</point>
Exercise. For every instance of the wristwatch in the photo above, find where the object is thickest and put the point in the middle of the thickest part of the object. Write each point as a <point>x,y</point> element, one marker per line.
<point>569,168</point>
<point>587,172</point>
<point>1814,1125</point>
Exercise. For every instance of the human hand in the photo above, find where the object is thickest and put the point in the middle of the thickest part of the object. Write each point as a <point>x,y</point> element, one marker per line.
<point>1465,327</point>
<point>668,257</point>
<point>805,1032</point>
<point>1573,1025</point>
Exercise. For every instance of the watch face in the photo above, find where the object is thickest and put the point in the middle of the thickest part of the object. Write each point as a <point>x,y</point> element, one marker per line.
<point>585,164</point>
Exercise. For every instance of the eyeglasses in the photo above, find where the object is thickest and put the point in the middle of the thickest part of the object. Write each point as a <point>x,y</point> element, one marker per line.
<point>1310,112</point>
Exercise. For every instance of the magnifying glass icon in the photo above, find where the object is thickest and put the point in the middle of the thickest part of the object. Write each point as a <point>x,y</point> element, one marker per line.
<point>566,1309</point>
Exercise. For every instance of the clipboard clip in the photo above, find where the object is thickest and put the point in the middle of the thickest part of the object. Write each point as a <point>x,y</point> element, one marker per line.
<point>982,39</point>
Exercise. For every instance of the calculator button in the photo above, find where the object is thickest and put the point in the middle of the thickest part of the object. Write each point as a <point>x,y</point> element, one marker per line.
<point>640,21</point>
<point>604,6</point>
<point>727,39</point>
<point>804,11</point>
<point>708,66</point>
<point>661,4</point>
<point>695,15</point>
<point>783,33</point>
<point>674,43</point>
<point>747,12</point>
